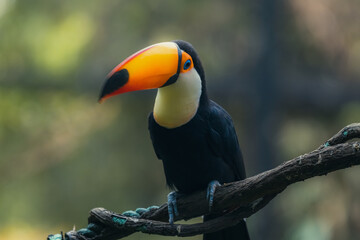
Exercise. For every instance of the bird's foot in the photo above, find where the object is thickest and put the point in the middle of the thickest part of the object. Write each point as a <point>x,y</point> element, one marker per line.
<point>210,192</point>
<point>172,208</point>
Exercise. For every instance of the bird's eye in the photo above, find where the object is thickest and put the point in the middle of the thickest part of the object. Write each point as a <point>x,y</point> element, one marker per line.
<point>187,64</point>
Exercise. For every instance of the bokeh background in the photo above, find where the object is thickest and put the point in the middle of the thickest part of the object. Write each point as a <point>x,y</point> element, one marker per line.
<point>287,71</point>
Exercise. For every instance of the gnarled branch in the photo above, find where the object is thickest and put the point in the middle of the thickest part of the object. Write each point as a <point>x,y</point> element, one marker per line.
<point>235,200</point>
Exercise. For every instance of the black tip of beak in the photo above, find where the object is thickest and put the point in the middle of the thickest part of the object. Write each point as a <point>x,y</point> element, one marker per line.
<point>114,82</point>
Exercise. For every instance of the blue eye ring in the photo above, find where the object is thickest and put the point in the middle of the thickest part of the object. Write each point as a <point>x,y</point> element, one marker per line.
<point>187,64</point>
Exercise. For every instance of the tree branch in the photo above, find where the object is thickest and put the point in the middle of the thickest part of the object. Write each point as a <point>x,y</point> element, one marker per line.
<point>235,200</point>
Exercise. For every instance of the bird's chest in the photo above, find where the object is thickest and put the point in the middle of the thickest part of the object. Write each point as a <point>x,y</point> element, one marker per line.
<point>181,146</point>
<point>186,156</point>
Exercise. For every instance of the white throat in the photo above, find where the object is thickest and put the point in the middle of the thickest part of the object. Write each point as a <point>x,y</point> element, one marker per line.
<point>177,103</point>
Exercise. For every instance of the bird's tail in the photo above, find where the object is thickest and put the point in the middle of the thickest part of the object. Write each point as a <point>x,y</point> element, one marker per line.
<point>237,232</point>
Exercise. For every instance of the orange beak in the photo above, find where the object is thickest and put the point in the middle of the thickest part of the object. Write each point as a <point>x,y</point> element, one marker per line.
<point>152,67</point>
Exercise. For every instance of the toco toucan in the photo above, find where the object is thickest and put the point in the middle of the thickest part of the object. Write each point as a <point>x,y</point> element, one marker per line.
<point>192,135</point>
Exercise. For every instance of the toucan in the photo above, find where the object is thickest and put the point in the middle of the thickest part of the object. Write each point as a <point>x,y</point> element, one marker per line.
<point>193,136</point>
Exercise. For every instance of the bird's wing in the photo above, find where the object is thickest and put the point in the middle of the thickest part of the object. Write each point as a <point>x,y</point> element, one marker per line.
<point>223,139</point>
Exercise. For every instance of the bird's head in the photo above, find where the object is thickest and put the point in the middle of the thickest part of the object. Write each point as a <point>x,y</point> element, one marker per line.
<point>156,66</point>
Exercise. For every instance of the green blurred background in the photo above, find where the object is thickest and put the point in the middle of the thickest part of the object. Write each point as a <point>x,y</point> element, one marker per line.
<point>287,71</point>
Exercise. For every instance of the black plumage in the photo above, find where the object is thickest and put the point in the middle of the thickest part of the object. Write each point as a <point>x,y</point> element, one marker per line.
<point>204,149</point>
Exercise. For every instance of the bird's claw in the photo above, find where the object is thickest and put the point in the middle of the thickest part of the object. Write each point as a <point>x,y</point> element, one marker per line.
<point>172,208</point>
<point>210,192</point>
